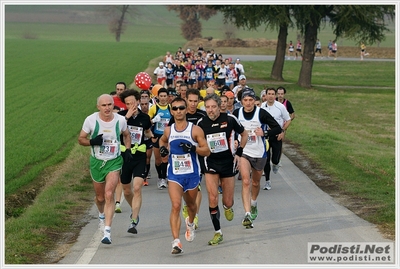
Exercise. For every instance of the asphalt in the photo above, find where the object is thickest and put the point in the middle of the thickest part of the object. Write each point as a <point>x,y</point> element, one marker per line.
<point>292,214</point>
<point>244,58</point>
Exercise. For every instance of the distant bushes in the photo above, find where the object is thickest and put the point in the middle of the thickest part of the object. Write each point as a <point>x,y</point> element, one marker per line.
<point>29,35</point>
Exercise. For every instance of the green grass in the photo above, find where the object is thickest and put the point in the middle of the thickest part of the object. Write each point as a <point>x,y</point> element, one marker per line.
<point>51,87</point>
<point>349,131</point>
<point>154,23</point>
<point>353,140</point>
<point>34,234</point>
<point>333,73</point>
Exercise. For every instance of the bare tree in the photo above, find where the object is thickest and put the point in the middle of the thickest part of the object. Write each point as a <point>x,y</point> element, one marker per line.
<point>229,30</point>
<point>117,18</point>
<point>191,15</point>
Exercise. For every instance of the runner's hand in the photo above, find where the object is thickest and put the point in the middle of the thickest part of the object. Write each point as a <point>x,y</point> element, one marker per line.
<point>128,156</point>
<point>163,151</point>
<point>156,118</point>
<point>97,141</point>
<point>187,147</point>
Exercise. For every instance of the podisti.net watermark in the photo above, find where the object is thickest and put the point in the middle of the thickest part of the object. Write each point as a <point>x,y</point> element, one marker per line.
<point>349,252</point>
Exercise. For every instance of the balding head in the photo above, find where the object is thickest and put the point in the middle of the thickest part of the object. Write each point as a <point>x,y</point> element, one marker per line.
<point>104,98</point>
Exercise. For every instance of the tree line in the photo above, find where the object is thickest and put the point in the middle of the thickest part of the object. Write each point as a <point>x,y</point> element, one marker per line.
<point>362,23</point>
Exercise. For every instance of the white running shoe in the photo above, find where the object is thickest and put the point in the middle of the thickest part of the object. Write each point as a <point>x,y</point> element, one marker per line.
<point>107,237</point>
<point>164,183</point>
<point>160,183</point>
<point>176,247</point>
<point>267,185</point>
<point>275,167</point>
<point>189,234</point>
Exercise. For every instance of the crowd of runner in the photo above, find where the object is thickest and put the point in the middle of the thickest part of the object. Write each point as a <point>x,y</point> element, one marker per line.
<point>203,122</point>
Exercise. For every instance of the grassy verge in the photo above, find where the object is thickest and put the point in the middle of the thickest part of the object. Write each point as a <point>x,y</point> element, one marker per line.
<point>52,220</point>
<point>349,131</point>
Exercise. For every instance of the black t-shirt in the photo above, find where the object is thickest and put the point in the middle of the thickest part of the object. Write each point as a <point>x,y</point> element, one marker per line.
<point>142,120</point>
<point>225,123</point>
<point>179,71</point>
<point>273,126</point>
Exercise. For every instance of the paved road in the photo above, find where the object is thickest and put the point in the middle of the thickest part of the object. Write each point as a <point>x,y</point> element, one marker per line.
<point>244,58</point>
<point>294,212</point>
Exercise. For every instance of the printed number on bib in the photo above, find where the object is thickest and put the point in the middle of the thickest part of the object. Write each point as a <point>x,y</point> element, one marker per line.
<point>109,148</point>
<point>182,164</point>
<point>217,142</point>
<point>136,134</point>
<point>160,126</point>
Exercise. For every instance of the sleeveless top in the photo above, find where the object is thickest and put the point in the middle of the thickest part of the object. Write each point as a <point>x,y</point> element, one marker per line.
<point>255,146</point>
<point>180,163</point>
<point>165,117</point>
<point>168,59</point>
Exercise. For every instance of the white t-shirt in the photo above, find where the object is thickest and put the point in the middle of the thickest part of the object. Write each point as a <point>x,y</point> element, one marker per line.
<point>278,111</point>
<point>241,68</point>
<point>160,72</point>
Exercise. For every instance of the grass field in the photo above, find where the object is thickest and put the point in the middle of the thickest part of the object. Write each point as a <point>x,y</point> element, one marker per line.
<point>152,24</point>
<point>51,86</point>
<point>52,83</point>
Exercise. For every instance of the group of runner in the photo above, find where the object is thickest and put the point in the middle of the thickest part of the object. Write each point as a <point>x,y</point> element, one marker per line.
<point>296,52</point>
<point>196,68</point>
<point>214,134</point>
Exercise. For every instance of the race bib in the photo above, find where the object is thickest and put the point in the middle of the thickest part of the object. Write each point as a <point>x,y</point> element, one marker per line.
<point>182,164</point>
<point>252,137</point>
<point>160,126</point>
<point>109,148</point>
<point>217,142</point>
<point>136,134</point>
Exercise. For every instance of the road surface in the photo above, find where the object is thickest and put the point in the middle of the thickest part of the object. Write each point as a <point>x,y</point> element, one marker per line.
<point>292,214</point>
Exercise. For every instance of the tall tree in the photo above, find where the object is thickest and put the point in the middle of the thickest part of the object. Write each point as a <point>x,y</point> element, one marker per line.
<point>357,22</point>
<point>361,22</point>
<point>252,17</point>
<point>308,26</point>
<point>191,15</point>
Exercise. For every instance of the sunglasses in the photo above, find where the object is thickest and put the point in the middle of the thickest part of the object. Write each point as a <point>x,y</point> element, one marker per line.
<point>175,108</point>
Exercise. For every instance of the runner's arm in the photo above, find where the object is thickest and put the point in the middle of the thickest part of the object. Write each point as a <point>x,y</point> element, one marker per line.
<point>202,149</point>
<point>163,141</point>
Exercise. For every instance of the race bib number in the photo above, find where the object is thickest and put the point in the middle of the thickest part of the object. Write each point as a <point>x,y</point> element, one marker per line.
<point>160,126</point>
<point>252,137</point>
<point>136,134</point>
<point>217,142</point>
<point>182,164</point>
<point>109,148</point>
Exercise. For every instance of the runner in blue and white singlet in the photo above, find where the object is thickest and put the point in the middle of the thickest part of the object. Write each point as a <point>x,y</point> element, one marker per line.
<point>183,168</point>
